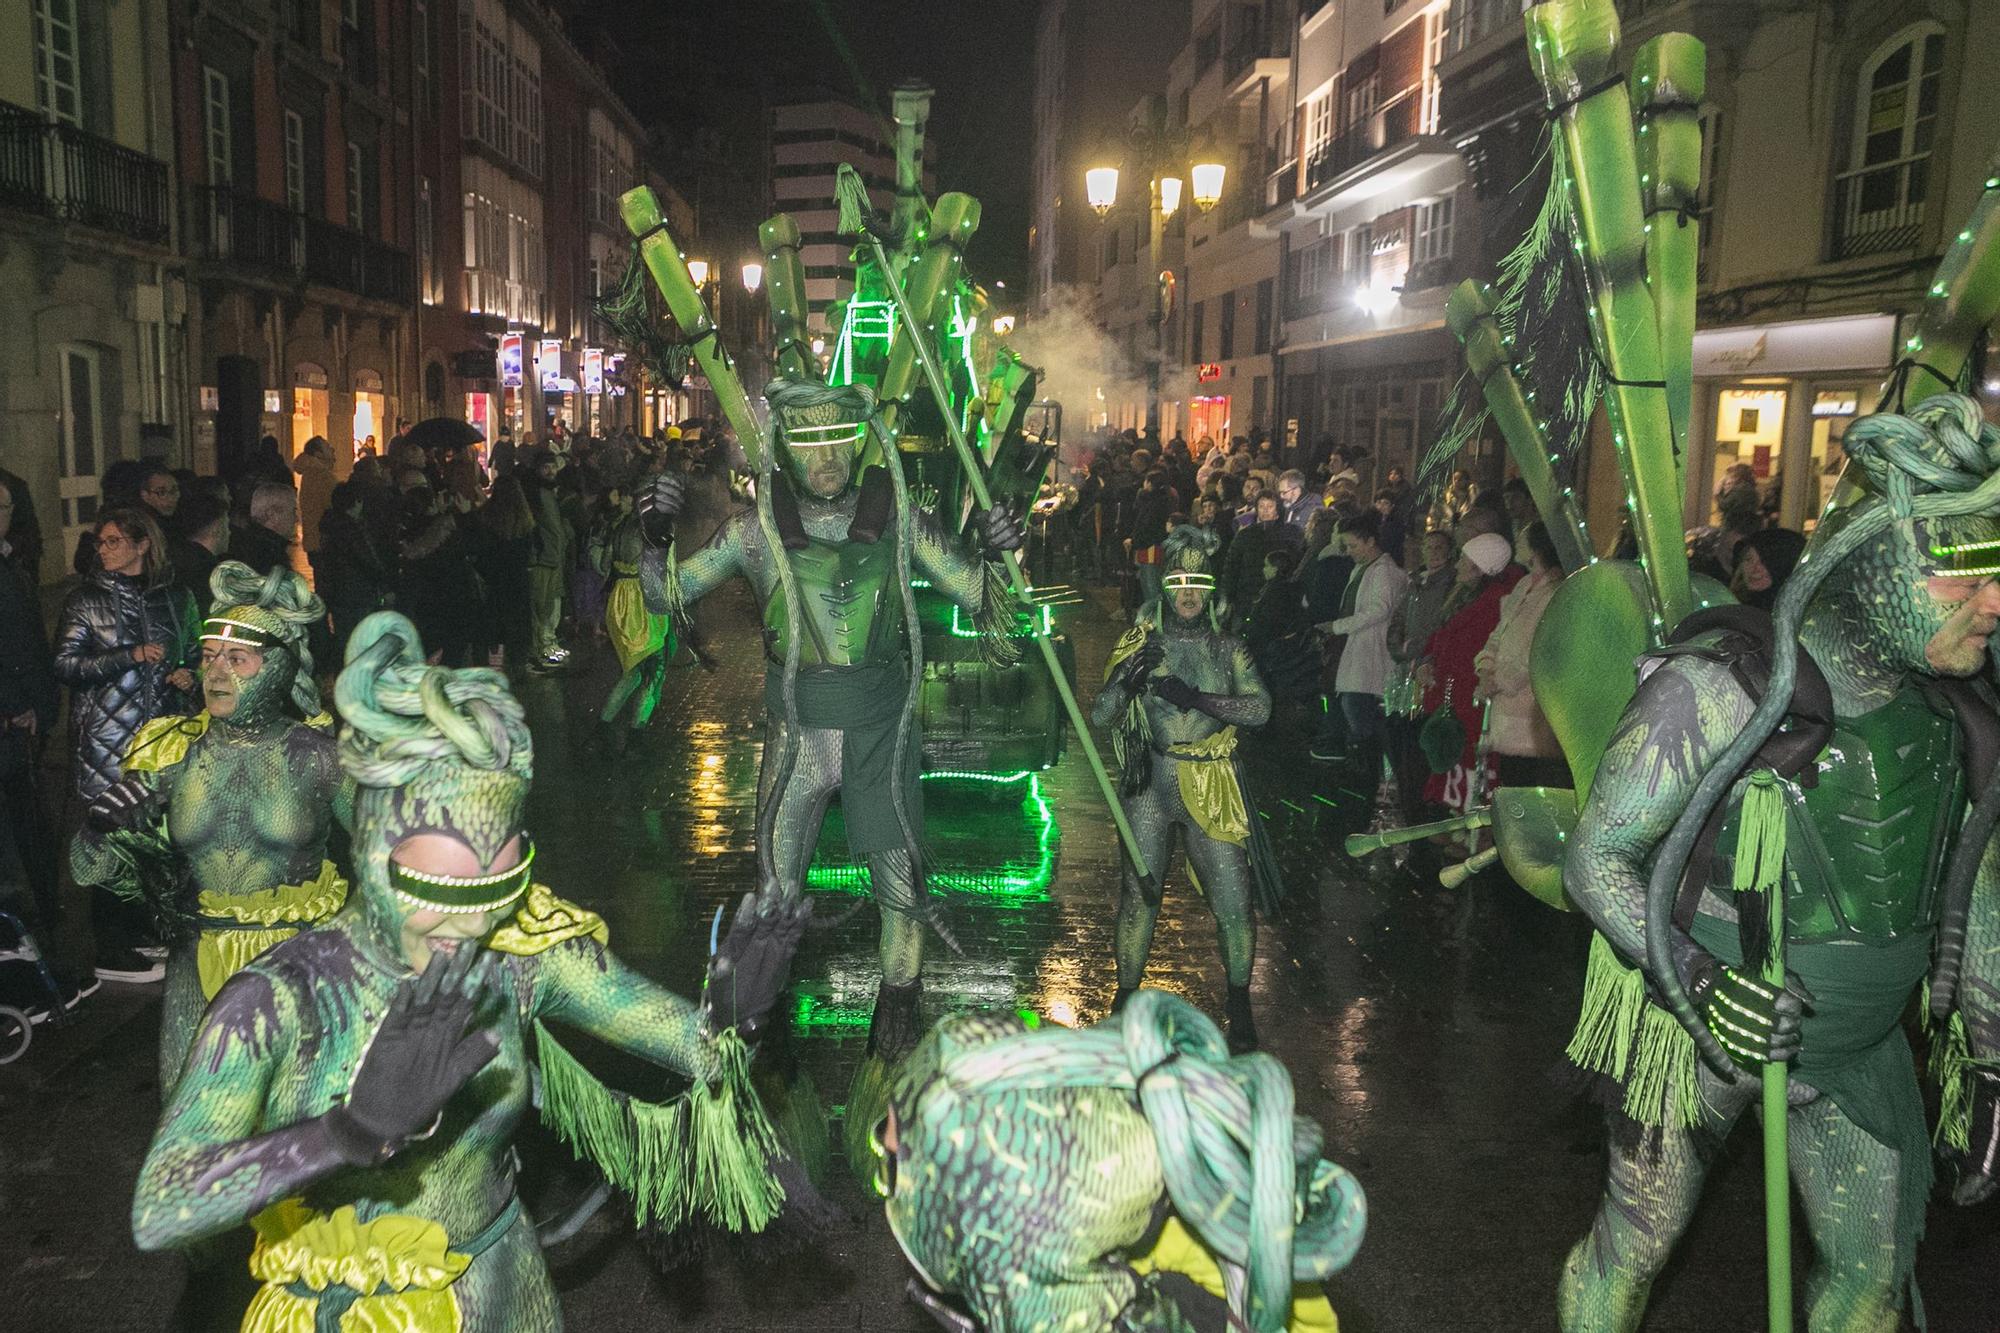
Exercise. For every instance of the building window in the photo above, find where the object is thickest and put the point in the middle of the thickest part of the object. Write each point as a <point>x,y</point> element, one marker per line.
<point>420,48</point>
<point>1361,254</point>
<point>426,243</point>
<point>1882,194</point>
<point>1225,331</point>
<point>1439,21</point>
<point>58,62</point>
<point>354,191</point>
<point>82,438</point>
<point>1197,322</point>
<point>1308,274</point>
<point>1260,337</point>
<point>1434,230</point>
<point>1361,99</point>
<point>295,162</point>
<point>221,153</point>
<point>1319,125</point>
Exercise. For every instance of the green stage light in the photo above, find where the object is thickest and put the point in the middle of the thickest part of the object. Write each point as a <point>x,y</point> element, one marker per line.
<point>1014,883</point>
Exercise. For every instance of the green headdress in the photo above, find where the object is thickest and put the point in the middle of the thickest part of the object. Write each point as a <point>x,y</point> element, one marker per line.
<point>1186,561</point>
<point>809,415</point>
<point>272,612</point>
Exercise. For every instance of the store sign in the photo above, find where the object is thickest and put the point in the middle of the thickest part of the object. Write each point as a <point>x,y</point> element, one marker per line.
<point>1836,403</point>
<point>593,370</point>
<point>274,402</point>
<point>1796,347</point>
<point>1208,370</point>
<point>510,360</point>
<point>548,362</point>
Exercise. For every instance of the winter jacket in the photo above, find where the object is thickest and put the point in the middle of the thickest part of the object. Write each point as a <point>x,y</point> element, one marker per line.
<point>315,494</point>
<point>1516,723</point>
<point>1364,661</point>
<point>27,675</point>
<point>353,573</point>
<point>111,695</point>
<point>260,548</point>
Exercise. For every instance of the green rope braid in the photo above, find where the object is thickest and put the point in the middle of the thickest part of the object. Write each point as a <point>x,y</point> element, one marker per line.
<point>403,715</point>
<point>1944,446</point>
<point>629,312</point>
<point>284,595</point>
<point>1242,1170</point>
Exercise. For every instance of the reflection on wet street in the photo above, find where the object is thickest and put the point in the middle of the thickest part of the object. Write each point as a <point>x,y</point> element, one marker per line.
<point>1421,1027</point>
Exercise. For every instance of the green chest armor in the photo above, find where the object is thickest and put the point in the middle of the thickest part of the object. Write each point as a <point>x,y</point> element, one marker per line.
<point>845,599</point>
<point>1865,848</point>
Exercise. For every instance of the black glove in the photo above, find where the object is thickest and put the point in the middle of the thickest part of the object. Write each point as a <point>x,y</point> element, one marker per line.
<point>128,803</point>
<point>1756,1022</point>
<point>754,961</point>
<point>1179,693</point>
<point>659,505</point>
<point>425,1051</point>
<point>999,531</point>
<point>1979,1166</point>
<point>1131,673</point>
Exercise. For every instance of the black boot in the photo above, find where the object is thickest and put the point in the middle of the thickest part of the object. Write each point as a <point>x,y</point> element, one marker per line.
<point>1118,1000</point>
<point>1242,1026</point>
<point>894,1030</point>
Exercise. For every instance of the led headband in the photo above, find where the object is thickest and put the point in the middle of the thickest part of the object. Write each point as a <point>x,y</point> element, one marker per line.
<point>463,893</point>
<point>221,629</point>
<point>1980,559</point>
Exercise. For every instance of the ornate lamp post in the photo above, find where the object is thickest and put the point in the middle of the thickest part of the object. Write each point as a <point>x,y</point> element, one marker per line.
<point>1160,153</point>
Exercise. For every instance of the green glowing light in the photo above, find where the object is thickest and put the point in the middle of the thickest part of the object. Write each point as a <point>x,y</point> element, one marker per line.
<point>1025,626</point>
<point>1021,880</point>
<point>811,1012</point>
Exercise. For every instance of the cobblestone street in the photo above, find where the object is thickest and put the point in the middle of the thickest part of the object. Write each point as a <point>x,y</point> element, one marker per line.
<point>1421,1027</point>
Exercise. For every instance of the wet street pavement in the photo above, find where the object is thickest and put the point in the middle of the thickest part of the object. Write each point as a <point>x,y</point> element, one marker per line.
<point>1421,1027</point>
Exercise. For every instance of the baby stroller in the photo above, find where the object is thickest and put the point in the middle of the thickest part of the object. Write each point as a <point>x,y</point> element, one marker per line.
<point>29,991</point>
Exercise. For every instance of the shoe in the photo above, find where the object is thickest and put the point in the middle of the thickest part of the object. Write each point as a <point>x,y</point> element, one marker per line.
<point>1327,754</point>
<point>156,952</point>
<point>1242,1026</point>
<point>131,968</point>
<point>70,995</point>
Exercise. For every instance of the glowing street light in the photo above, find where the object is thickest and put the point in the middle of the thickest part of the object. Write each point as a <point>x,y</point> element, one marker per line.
<point>1374,299</point>
<point>698,270</point>
<point>1207,178</point>
<point>753,277</point>
<point>1170,195</point>
<point>1100,185</point>
<point>1002,325</point>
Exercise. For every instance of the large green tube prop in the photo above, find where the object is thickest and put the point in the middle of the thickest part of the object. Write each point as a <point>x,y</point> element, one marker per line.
<point>1469,315</point>
<point>1670,73</point>
<point>1573,43</point>
<point>664,260</point>
<point>953,224</point>
<point>785,283</point>
<point>927,283</point>
<point>912,109</point>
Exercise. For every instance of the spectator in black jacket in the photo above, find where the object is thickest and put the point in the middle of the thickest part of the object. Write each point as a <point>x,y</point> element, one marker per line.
<point>200,539</point>
<point>355,573</point>
<point>265,542</point>
<point>28,698</point>
<point>1243,572</point>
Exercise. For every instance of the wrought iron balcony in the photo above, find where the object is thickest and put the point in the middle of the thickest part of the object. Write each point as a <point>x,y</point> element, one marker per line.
<point>1880,208</point>
<point>261,236</point>
<point>1394,122</point>
<point>64,172</point>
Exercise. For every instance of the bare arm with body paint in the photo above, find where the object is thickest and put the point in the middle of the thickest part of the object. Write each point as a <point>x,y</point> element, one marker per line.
<point>581,983</point>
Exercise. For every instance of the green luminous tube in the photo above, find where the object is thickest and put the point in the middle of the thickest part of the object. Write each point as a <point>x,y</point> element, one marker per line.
<point>911,105</point>
<point>1469,315</point>
<point>1572,43</point>
<point>664,260</point>
<point>927,284</point>
<point>1962,300</point>
<point>1669,76</point>
<point>785,283</point>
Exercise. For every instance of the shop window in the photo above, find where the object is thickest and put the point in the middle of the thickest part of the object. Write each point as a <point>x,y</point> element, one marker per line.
<point>1749,430</point>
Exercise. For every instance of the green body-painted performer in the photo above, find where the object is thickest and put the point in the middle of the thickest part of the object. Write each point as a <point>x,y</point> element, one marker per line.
<point>830,529</point>
<point>244,794</point>
<point>1130,1177</point>
<point>642,639</point>
<point>1178,688</point>
<point>1864,797</point>
<point>354,1092</point>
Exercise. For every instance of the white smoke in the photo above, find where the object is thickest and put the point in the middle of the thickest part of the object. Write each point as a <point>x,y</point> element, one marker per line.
<point>1082,366</point>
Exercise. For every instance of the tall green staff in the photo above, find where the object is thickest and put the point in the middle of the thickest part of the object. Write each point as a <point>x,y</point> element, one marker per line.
<point>950,233</point>
<point>1671,74</point>
<point>664,260</point>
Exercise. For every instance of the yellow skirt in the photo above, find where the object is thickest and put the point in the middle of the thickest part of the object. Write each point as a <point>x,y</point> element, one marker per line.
<point>266,919</point>
<point>635,633</point>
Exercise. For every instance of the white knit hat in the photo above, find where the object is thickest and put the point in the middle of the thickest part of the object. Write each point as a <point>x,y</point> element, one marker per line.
<point>1490,552</point>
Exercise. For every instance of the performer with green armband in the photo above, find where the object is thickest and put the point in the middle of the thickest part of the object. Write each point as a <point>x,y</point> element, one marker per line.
<point>354,1093</point>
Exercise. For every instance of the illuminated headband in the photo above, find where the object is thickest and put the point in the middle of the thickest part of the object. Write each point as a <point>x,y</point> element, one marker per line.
<point>1183,578</point>
<point>463,893</point>
<point>808,437</point>
<point>221,629</point>
<point>1981,559</point>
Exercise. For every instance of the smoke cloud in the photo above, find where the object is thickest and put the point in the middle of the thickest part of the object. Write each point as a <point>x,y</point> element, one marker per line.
<point>1082,366</point>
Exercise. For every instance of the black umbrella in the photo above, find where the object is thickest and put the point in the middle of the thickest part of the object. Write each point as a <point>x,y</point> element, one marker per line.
<point>437,433</point>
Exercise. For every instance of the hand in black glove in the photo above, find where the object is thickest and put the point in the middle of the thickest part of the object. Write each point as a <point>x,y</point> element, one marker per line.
<point>125,804</point>
<point>754,961</point>
<point>425,1051</point>
<point>999,531</point>
<point>1756,1022</point>
<point>659,505</point>
<point>1178,693</point>
<point>1131,673</point>
<point>1979,1165</point>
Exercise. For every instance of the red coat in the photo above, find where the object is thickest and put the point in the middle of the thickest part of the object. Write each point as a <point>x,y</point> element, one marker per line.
<point>1451,651</point>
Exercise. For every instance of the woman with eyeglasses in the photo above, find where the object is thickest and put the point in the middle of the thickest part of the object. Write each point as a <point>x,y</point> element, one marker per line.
<point>125,646</point>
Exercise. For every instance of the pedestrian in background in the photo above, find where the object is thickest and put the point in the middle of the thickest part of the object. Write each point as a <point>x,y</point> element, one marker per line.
<point>1525,750</point>
<point>1420,612</point>
<point>548,564</point>
<point>1374,588</point>
<point>314,467</point>
<point>28,699</point>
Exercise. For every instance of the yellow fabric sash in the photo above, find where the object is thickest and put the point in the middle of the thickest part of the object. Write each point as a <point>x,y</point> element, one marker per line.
<point>409,1255</point>
<point>221,953</point>
<point>543,921</point>
<point>165,741</point>
<point>1178,1251</point>
<point>1209,788</point>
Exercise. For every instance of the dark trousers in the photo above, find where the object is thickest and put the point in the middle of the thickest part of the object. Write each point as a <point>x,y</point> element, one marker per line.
<point>34,841</point>
<point>1363,715</point>
<point>1406,761</point>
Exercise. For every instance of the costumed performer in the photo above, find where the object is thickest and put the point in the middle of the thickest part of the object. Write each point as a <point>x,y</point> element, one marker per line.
<point>1178,688</point>
<point>642,639</point>
<point>1129,1176</point>
<point>1856,811</point>
<point>354,1092</point>
<point>235,803</point>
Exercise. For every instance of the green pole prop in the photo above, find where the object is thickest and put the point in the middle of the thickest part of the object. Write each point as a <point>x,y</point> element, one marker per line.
<point>1572,43</point>
<point>664,260</point>
<point>1777,1149</point>
<point>785,284</point>
<point>1670,73</point>
<point>917,331</point>
<point>1469,315</point>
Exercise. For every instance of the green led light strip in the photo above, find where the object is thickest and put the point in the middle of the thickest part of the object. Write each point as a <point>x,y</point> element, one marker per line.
<point>1018,882</point>
<point>1953,558</point>
<point>959,629</point>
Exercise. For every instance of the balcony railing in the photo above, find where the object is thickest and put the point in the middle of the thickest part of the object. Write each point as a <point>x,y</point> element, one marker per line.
<point>80,177</point>
<point>1880,208</point>
<point>259,235</point>
<point>1391,124</point>
<point>1282,185</point>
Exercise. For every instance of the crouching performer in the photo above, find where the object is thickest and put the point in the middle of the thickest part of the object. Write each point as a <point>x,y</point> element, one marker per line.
<point>1130,1177</point>
<point>354,1092</point>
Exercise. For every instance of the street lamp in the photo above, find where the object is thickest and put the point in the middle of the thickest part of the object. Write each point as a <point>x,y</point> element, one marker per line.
<point>1207,177</point>
<point>1002,325</point>
<point>1170,195</point>
<point>698,270</point>
<point>753,277</point>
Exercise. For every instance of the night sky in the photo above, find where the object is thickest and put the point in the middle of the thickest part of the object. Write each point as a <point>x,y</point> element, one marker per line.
<point>706,73</point>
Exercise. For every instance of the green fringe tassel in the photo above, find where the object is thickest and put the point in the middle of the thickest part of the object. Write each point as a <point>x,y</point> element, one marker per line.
<point>1624,1036</point>
<point>997,619</point>
<point>867,1103</point>
<point>1760,867</point>
<point>706,1152</point>
<point>1950,1066</point>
